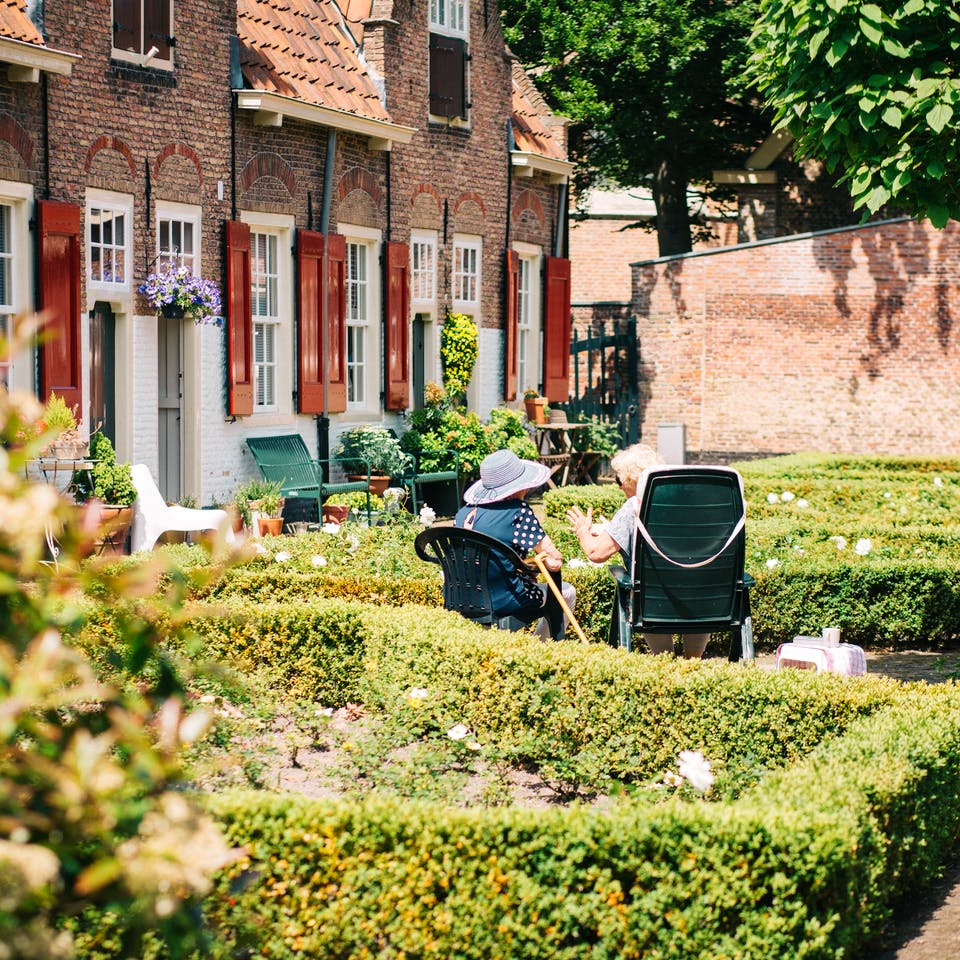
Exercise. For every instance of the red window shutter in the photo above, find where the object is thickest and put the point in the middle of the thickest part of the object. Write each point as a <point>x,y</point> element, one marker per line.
<point>556,330</point>
<point>310,358</point>
<point>126,25</point>
<point>59,275</point>
<point>239,320</point>
<point>336,359</point>
<point>513,326</point>
<point>397,344</point>
<point>309,330</point>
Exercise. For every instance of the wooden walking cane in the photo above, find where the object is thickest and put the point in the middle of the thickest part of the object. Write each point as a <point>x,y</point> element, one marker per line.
<point>538,560</point>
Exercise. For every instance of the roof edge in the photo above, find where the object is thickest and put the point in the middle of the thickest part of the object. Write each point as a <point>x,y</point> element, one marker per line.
<point>37,57</point>
<point>273,107</point>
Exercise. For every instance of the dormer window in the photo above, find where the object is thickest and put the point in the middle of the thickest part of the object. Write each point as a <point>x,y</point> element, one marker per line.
<point>449,33</point>
<point>143,32</point>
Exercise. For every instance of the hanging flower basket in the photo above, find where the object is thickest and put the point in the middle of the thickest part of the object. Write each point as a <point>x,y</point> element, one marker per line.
<point>174,288</point>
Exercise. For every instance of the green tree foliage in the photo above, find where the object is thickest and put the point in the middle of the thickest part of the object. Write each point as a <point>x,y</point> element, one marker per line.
<point>653,88</point>
<point>874,92</point>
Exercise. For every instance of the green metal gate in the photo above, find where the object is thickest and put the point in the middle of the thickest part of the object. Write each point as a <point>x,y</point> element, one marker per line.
<point>604,377</point>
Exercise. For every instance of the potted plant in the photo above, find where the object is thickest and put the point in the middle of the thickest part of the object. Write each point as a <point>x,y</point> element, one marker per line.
<point>258,502</point>
<point>270,522</point>
<point>174,291</point>
<point>112,484</point>
<point>535,405</point>
<point>69,443</point>
<point>377,448</point>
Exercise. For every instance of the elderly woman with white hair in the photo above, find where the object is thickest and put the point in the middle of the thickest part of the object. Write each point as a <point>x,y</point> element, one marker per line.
<point>495,506</point>
<point>601,544</point>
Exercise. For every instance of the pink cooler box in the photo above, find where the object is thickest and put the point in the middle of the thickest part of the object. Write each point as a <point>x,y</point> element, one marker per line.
<point>845,659</point>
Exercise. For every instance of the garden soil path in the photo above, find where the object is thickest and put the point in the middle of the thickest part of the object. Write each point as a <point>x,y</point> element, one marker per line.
<point>928,928</point>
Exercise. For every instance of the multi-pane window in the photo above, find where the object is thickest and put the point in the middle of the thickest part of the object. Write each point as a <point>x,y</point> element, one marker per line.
<point>107,244</point>
<point>527,374</point>
<point>423,270</point>
<point>6,289</point>
<point>357,322</point>
<point>266,318</point>
<point>176,242</point>
<point>449,17</point>
<point>466,272</point>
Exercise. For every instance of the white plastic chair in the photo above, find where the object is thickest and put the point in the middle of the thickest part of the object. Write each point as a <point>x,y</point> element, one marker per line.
<point>152,516</point>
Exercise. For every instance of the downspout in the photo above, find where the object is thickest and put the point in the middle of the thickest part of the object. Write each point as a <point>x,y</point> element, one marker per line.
<point>323,419</point>
<point>559,240</point>
<point>384,281</point>
<point>511,144</point>
<point>46,134</point>
<point>147,193</point>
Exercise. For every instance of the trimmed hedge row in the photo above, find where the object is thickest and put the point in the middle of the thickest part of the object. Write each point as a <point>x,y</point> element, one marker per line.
<point>597,713</point>
<point>806,865</point>
<point>886,604</point>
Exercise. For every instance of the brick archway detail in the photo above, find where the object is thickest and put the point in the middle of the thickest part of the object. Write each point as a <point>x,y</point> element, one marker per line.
<point>178,150</point>
<point>11,132</point>
<point>468,196</point>
<point>358,179</point>
<point>268,165</point>
<point>528,200</point>
<point>110,143</point>
<point>430,189</point>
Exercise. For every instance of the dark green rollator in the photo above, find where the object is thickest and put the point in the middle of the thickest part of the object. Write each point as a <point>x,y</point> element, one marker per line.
<point>687,571</point>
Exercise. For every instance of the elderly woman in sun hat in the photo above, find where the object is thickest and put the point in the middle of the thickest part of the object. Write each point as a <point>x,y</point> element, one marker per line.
<point>495,505</point>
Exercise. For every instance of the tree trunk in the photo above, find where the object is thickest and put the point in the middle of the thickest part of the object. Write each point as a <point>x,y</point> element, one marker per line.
<point>670,199</point>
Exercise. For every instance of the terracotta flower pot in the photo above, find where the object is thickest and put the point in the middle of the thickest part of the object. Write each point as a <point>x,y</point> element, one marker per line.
<point>335,512</point>
<point>270,526</point>
<point>378,483</point>
<point>115,522</point>
<point>536,409</point>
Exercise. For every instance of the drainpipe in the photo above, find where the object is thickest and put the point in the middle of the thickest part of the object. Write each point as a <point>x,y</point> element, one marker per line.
<point>323,419</point>
<point>559,246</point>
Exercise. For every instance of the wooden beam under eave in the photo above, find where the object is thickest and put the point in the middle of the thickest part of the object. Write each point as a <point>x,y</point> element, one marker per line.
<point>267,118</point>
<point>380,144</point>
<point>20,74</point>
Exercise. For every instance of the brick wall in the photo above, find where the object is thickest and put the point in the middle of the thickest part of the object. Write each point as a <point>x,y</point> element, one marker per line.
<point>844,342</point>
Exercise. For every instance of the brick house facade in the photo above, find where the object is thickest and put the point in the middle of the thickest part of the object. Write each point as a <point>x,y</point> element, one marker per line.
<point>263,144</point>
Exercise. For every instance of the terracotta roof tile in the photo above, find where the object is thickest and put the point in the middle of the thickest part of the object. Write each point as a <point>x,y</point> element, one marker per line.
<point>16,25</point>
<point>301,49</point>
<point>530,130</point>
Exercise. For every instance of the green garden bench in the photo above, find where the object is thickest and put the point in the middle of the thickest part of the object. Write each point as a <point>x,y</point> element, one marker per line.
<point>285,459</point>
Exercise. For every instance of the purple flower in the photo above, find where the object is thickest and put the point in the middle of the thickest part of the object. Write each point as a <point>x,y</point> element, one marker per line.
<point>177,286</point>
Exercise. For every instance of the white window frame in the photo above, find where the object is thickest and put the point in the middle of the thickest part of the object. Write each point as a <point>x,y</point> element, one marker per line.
<point>138,56</point>
<point>467,275</point>
<point>18,197</point>
<point>182,214</point>
<point>423,270</point>
<point>280,321</point>
<point>529,317</point>
<point>115,203</point>
<point>363,321</point>
<point>450,18</point>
